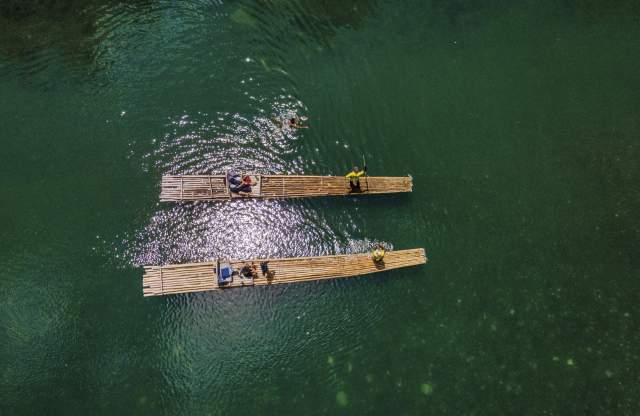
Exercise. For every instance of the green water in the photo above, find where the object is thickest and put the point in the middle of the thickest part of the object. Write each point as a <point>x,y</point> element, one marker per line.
<point>518,123</point>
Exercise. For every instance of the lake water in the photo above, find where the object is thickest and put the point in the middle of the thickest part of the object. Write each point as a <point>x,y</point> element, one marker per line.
<point>519,124</point>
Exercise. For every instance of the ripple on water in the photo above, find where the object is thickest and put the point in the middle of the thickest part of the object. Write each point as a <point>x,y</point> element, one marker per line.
<point>200,143</point>
<point>236,229</point>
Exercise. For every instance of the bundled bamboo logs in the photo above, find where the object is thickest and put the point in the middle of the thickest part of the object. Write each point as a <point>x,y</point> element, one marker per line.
<point>194,188</point>
<point>214,187</point>
<point>196,277</point>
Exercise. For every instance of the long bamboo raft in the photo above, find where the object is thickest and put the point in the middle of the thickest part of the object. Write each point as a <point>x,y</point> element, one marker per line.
<point>197,277</point>
<point>214,187</point>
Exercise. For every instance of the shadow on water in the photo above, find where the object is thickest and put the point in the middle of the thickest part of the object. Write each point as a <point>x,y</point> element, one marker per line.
<point>85,37</point>
<point>38,35</point>
<point>35,34</point>
<point>28,29</point>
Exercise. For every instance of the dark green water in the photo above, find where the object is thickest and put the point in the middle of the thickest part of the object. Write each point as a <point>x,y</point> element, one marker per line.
<point>519,124</point>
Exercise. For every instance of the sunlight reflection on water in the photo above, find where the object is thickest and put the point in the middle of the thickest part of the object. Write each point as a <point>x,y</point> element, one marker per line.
<point>237,229</point>
<point>201,143</point>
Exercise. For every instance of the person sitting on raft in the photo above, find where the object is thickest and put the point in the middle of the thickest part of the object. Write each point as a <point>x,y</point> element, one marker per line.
<point>240,183</point>
<point>378,253</point>
<point>264,267</point>
<point>248,271</point>
<point>354,179</point>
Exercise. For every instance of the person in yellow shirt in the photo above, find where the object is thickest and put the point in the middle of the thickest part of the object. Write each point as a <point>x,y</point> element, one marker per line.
<point>354,178</point>
<point>378,253</point>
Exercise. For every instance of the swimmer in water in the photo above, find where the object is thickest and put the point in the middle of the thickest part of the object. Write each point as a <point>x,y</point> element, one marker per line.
<point>294,122</point>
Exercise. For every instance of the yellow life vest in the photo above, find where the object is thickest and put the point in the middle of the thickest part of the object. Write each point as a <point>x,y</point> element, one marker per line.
<point>378,254</point>
<point>355,174</point>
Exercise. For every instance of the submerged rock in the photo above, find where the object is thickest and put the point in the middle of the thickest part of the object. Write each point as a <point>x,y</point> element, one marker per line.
<point>426,389</point>
<point>341,398</point>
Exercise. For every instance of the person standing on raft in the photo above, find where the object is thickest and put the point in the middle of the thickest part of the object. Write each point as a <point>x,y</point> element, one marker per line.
<point>354,179</point>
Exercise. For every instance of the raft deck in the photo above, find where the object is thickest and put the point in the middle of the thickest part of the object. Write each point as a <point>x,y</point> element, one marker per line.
<point>197,277</point>
<point>214,187</point>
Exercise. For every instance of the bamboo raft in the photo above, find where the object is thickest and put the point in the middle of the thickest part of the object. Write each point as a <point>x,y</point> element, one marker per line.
<point>197,277</point>
<point>214,187</point>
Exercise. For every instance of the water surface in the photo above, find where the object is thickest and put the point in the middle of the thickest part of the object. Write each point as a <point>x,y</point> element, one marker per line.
<point>519,124</point>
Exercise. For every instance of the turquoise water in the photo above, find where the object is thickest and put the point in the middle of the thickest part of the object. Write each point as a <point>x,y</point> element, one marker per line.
<point>519,124</point>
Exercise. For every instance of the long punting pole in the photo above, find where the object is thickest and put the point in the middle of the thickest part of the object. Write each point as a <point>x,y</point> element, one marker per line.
<point>197,277</point>
<point>364,166</point>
